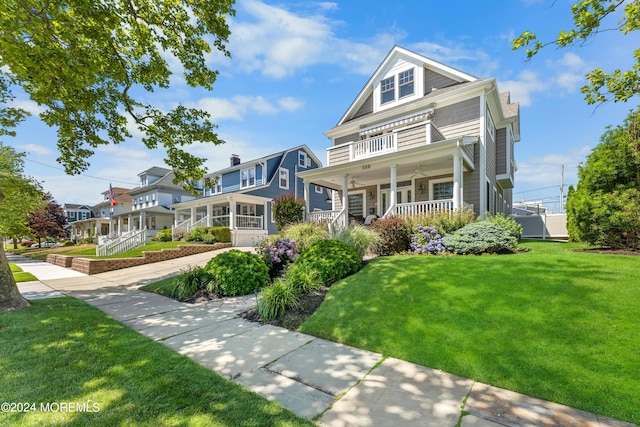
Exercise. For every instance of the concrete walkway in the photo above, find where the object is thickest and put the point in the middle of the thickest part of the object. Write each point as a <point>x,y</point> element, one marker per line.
<point>336,384</point>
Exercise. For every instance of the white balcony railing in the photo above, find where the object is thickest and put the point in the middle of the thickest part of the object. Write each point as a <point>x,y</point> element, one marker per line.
<point>375,146</point>
<point>220,221</point>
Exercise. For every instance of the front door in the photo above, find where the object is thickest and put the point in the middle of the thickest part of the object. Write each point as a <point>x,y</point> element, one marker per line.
<point>403,195</point>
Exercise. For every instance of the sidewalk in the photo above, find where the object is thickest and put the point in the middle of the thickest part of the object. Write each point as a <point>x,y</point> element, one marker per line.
<point>312,377</point>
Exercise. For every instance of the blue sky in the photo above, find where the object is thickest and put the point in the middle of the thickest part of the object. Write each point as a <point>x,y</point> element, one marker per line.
<point>296,67</point>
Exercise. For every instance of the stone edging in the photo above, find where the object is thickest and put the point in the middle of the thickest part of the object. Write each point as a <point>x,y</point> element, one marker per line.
<point>94,266</point>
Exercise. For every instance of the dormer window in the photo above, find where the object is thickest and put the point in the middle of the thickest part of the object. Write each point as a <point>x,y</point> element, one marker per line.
<point>405,80</point>
<point>387,90</point>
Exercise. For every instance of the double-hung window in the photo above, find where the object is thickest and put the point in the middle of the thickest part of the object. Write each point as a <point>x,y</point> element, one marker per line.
<point>283,178</point>
<point>248,177</point>
<point>217,186</point>
<point>303,159</point>
<point>405,81</point>
<point>387,90</point>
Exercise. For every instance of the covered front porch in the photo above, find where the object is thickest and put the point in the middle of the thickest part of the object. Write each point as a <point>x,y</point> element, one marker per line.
<point>411,182</point>
<point>245,215</point>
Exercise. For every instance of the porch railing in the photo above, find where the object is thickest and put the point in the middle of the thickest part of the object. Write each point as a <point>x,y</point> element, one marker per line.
<point>220,221</point>
<point>126,242</point>
<point>375,146</point>
<point>202,222</point>
<point>422,208</point>
<point>322,217</point>
<point>248,221</point>
<point>178,230</point>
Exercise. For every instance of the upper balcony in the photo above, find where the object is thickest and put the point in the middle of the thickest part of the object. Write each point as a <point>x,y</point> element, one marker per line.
<point>355,150</point>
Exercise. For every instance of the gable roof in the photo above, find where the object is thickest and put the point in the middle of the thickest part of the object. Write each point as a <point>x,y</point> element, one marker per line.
<point>280,154</point>
<point>393,55</point>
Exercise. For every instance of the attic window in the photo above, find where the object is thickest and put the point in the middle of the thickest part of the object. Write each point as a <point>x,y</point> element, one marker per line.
<point>387,90</point>
<point>405,80</point>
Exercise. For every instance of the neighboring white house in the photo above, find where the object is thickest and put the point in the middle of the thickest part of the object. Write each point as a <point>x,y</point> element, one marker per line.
<point>420,136</point>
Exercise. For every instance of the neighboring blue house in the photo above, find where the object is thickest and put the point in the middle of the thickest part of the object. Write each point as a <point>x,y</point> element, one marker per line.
<point>242,195</point>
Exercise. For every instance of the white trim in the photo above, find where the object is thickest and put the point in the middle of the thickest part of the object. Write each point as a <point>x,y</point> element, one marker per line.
<point>280,171</point>
<point>307,163</point>
<point>319,189</point>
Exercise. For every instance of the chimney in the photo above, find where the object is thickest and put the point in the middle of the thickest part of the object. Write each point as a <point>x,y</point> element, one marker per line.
<point>235,160</point>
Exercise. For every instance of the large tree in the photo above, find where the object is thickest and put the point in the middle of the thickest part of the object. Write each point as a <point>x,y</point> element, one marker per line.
<point>18,195</point>
<point>48,221</point>
<point>604,209</point>
<point>90,66</point>
<point>593,17</point>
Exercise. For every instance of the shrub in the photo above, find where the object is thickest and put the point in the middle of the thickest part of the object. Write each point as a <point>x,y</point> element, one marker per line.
<point>303,279</point>
<point>277,254</point>
<point>27,243</point>
<point>506,222</point>
<point>445,221</point>
<point>67,243</point>
<point>360,238</point>
<point>426,240</point>
<point>331,259</point>
<point>190,281</point>
<point>276,299</point>
<point>305,234</point>
<point>479,237</point>
<point>209,235</point>
<point>237,273</point>
<point>163,236</point>
<point>394,235</point>
<point>287,209</point>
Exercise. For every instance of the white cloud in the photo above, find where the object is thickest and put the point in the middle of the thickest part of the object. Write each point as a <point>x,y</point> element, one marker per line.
<point>28,105</point>
<point>35,149</point>
<point>239,106</point>
<point>571,72</point>
<point>521,88</point>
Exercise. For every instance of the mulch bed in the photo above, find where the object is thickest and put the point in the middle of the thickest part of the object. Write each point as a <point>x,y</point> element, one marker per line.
<point>292,319</point>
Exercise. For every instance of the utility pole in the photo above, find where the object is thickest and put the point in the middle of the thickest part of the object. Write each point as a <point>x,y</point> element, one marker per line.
<point>561,188</point>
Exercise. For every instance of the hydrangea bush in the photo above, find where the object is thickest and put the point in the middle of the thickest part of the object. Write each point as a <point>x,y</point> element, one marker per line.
<point>277,254</point>
<point>426,240</point>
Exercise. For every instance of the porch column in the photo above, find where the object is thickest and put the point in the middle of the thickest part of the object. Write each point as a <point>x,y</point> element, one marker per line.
<point>232,208</point>
<point>209,214</point>
<point>120,219</point>
<point>306,196</point>
<point>129,222</point>
<point>345,199</point>
<point>265,216</point>
<point>111,227</point>
<point>193,215</point>
<point>457,181</point>
<point>143,220</point>
<point>392,191</point>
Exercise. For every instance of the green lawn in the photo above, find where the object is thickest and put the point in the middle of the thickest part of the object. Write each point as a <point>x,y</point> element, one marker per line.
<point>89,251</point>
<point>62,350</point>
<point>19,275</point>
<point>162,287</point>
<point>550,323</point>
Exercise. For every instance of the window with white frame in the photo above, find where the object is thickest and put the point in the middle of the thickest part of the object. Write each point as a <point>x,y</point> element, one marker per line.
<point>247,209</point>
<point>283,178</point>
<point>217,186</point>
<point>405,81</point>
<point>442,190</point>
<point>248,177</point>
<point>303,159</point>
<point>84,215</point>
<point>387,90</point>
<point>319,189</point>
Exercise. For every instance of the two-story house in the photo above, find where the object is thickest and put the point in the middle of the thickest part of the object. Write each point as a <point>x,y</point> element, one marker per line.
<point>151,201</point>
<point>105,218</point>
<point>241,195</point>
<point>420,136</point>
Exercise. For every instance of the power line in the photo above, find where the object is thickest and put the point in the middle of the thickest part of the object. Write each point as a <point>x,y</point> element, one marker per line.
<point>82,174</point>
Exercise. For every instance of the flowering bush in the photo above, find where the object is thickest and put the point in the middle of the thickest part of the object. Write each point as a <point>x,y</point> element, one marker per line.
<point>277,254</point>
<point>426,240</point>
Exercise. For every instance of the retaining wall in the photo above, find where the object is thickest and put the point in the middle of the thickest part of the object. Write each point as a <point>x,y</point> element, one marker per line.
<point>94,266</point>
